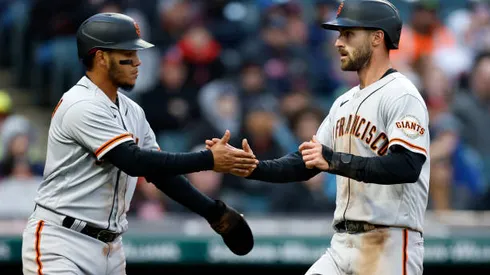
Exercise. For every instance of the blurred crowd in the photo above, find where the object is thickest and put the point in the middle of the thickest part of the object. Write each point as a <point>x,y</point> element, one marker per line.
<point>265,70</point>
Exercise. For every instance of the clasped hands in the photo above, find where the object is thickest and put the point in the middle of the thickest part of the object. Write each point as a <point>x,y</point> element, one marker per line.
<point>228,159</point>
<point>242,162</point>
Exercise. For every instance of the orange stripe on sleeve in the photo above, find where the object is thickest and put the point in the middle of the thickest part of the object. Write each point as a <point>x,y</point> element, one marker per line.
<point>56,108</point>
<point>37,246</point>
<point>404,252</point>
<point>110,142</point>
<point>408,144</point>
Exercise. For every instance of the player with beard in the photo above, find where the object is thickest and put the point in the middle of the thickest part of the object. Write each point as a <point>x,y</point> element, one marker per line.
<point>99,143</point>
<point>375,139</point>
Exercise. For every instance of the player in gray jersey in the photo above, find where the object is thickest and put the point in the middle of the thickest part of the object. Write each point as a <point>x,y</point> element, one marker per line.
<point>375,139</point>
<point>99,143</point>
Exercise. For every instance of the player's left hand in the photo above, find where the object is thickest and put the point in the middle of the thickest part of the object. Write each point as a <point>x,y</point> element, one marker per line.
<point>312,155</point>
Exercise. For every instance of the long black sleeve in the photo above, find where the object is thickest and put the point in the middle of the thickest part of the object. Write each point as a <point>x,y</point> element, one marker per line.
<point>289,168</point>
<point>181,190</point>
<point>138,162</point>
<point>400,165</point>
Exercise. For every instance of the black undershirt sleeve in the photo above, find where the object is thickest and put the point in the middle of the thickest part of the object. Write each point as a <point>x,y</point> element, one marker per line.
<point>138,162</point>
<point>400,165</point>
<point>182,191</point>
<point>289,168</point>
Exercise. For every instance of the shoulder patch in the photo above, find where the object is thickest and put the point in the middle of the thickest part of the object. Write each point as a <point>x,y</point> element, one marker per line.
<point>410,126</point>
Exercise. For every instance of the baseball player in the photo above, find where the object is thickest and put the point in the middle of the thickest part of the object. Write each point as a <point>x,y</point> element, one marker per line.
<point>375,140</point>
<point>99,143</point>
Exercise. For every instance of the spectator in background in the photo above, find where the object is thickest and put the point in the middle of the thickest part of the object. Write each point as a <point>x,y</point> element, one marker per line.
<point>444,136</point>
<point>175,18</point>
<point>293,102</point>
<point>321,51</point>
<point>220,109</point>
<point>455,180</point>
<point>251,196</point>
<point>52,28</point>
<point>421,37</point>
<point>172,104</point>
<point>258,128</point>
<point>18,189</point>
<point>19,173</point>
<point>477,33</point>
<point>283,62</point>
<point>307,198</point>
<point>305,123</point>
<point>224,23</point>
<point>201,54</point>
<point>317,194</point>
<point>254,92</point>
<point>18,136</point>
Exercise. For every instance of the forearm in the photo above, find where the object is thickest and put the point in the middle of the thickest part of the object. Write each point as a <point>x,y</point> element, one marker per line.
<point>182,191</point>
<point>399,166</point>
<point>289,168</point>
<point>138,162</point>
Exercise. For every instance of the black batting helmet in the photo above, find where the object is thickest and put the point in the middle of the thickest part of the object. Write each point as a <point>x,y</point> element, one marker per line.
<point>109,31</point>
<point>369,14</point>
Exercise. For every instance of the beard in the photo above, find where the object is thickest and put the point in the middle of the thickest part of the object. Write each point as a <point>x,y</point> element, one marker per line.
<point>359,59</point>
<point>116,74</point>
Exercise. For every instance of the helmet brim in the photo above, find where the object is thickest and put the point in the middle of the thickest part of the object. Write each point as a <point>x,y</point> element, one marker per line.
<point>340,23</point>
<point>137,44</point>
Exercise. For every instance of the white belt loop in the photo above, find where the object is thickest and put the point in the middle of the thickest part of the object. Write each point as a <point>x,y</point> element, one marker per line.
<point>80,225</point>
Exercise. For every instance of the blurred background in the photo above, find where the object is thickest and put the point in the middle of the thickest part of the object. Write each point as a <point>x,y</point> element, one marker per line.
<point>265,70</point>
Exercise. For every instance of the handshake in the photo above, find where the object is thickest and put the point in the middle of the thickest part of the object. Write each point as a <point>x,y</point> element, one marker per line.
<point>242,162</point>
<point>228,159</point>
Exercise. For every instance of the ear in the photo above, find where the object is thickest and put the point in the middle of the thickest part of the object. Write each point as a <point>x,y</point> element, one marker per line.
<point>101,58</point>
<point>378,38</point>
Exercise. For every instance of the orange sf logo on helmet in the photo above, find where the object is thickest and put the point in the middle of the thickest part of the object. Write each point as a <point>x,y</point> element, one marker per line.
<point>137,27</point>
<point>341,6</point>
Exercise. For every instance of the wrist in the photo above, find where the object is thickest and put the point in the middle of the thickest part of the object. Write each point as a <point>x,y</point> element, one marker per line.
<point>216,212</point>
<point>208,157</point>
<point>328,154</point>
<point>335,160</point>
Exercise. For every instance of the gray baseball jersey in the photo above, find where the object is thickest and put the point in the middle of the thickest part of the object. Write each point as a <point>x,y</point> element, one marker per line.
<point>86,125</point>
<point>366,123</point>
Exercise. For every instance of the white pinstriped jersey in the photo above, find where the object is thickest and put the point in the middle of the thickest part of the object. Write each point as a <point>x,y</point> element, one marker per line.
<point>86,125</point>
<point>366,123</point>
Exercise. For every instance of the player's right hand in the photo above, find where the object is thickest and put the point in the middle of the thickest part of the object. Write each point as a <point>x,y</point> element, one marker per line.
<point>228,159</point>
<point>246,148</point>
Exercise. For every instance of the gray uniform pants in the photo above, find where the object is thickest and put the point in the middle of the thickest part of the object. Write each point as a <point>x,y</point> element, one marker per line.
<point>49,248</point>
<point>387,251</point>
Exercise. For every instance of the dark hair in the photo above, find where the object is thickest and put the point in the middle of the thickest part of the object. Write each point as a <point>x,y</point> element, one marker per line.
<point>88,61</point>
<point>298,116</point>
